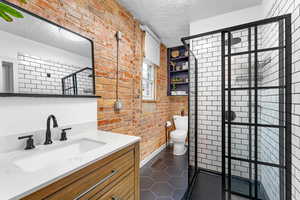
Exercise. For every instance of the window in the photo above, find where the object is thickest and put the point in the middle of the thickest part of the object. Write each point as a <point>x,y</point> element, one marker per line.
<point>148,81</point>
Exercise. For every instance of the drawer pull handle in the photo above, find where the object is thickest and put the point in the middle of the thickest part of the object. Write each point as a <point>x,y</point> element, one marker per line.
<point>115,198</point>
<point>113,172</point>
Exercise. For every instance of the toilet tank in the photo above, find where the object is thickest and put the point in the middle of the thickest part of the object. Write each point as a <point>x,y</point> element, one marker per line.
<point>181,122</point>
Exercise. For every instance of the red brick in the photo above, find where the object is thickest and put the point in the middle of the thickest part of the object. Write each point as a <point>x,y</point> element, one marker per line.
<point>99,20</point>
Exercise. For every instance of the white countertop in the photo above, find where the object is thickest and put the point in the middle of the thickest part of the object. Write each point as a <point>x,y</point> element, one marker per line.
<point>16,183</point>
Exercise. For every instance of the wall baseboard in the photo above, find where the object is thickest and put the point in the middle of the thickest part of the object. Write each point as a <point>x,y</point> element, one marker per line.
<point>152,155</point>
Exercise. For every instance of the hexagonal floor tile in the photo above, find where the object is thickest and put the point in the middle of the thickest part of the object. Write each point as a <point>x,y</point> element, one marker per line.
<point>162,189</point>
<point>146,182</point>
<point>178,194</point>
<point>160,176</point>
<point>185,173</point>
<point>173,171</point>
<point>158,165</point>
<point>178,182</point>
<point>164,198</point>
<point>169,162</point>
<point>147,195</point>
<point>146,171</point>
<point>166,173</point>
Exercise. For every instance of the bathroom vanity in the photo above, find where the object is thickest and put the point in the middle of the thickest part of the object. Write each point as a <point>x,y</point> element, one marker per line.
<point>114,177</point>
<point>83,163</point>
<point>96,165</point>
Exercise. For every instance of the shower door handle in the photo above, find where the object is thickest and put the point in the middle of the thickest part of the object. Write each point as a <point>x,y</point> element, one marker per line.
<point>231,116</point>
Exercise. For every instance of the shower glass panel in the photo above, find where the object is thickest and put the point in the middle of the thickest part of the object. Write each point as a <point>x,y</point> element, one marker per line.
<point>255,78</point>
<point>193,116</point>
<point>240,110</point>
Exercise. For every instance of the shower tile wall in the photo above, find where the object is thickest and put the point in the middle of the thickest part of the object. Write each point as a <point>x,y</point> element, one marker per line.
<point>208,52</point>
<point>209,108</point>
<point>209,111</point>
<point>32,76</point>
<point>281,7</point>
<point>270,110</point>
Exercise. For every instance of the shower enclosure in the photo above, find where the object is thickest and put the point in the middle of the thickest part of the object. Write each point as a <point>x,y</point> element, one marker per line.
<point>240,109</point>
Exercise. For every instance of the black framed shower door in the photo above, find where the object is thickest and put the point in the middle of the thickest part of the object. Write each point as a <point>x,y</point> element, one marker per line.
<point>249,103</point>
<point>256,110</point>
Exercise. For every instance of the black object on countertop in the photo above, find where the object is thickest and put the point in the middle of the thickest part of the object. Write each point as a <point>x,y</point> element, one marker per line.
<point>48,131</point>
<point>63,136</point>
<point>29,142</point>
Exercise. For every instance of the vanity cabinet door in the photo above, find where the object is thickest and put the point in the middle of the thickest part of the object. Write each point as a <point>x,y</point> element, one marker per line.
<point>119,170</point>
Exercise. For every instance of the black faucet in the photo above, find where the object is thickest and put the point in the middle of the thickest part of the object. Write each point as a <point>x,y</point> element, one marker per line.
<point>29,142</point>
<point>48,131</point>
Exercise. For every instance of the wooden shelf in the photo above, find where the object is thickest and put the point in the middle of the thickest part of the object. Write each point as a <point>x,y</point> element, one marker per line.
<point>179,83</point>
<point>183,70</point>
<point>180,59</point>
<point>179,95</point>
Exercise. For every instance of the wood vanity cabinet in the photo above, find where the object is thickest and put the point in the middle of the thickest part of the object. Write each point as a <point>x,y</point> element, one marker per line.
<point>115,177</point>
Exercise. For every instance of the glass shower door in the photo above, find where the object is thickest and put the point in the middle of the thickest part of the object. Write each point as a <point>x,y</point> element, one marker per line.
<point>256,132</point>
<point>193,119</point>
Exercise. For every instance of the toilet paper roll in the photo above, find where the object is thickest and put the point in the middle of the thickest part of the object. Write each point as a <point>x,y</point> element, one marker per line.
<point>168,124</point>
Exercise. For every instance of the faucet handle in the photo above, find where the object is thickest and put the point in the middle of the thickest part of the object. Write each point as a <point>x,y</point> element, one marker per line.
<point>29,142</point>
<point>63,136</point>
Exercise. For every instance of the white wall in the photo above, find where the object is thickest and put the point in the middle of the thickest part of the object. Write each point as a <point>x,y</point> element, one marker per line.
<point>226,20</point>
<point>20,115</point>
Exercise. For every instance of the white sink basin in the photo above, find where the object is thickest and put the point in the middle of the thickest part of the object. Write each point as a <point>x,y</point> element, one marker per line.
<point>45,157</point>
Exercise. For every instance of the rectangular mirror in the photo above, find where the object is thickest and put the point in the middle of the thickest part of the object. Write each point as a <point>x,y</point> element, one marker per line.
<point>40,58</point>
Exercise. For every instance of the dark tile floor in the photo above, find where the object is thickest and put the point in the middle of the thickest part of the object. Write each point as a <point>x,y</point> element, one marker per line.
<point>165,177</point>
<point>209,186</point>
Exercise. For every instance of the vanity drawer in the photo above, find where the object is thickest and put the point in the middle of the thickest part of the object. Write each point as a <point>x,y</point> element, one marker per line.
<point>99,177</point>
<point>97,180</point>
<point>123,190</point>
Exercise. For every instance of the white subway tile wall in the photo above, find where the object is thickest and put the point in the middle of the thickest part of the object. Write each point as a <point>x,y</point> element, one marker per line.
<point>270,110</point>
<point>208,52</point>
<point>281,7</point>
<point>207,49</point>
<point>36,75</point>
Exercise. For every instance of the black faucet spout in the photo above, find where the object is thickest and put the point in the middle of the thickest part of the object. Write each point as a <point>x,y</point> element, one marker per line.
<point>48,130</point>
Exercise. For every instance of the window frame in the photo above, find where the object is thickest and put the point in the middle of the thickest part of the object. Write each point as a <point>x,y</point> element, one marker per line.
<point>153,95</point>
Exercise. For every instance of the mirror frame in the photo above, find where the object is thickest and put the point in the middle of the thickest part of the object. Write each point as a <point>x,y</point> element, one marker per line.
<point>54,95</point>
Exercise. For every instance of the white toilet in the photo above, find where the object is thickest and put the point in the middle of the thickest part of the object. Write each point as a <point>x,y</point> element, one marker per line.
<point>179,135</point>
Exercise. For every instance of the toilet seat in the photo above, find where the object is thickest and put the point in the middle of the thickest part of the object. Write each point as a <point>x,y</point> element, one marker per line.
<point>178,134</point>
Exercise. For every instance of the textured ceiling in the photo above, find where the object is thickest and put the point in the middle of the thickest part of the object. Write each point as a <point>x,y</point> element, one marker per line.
<point>170,18</point>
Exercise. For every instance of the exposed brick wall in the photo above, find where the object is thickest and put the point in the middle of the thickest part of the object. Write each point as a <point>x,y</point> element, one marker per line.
<point>177,104</point>
<point>99,20</point>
